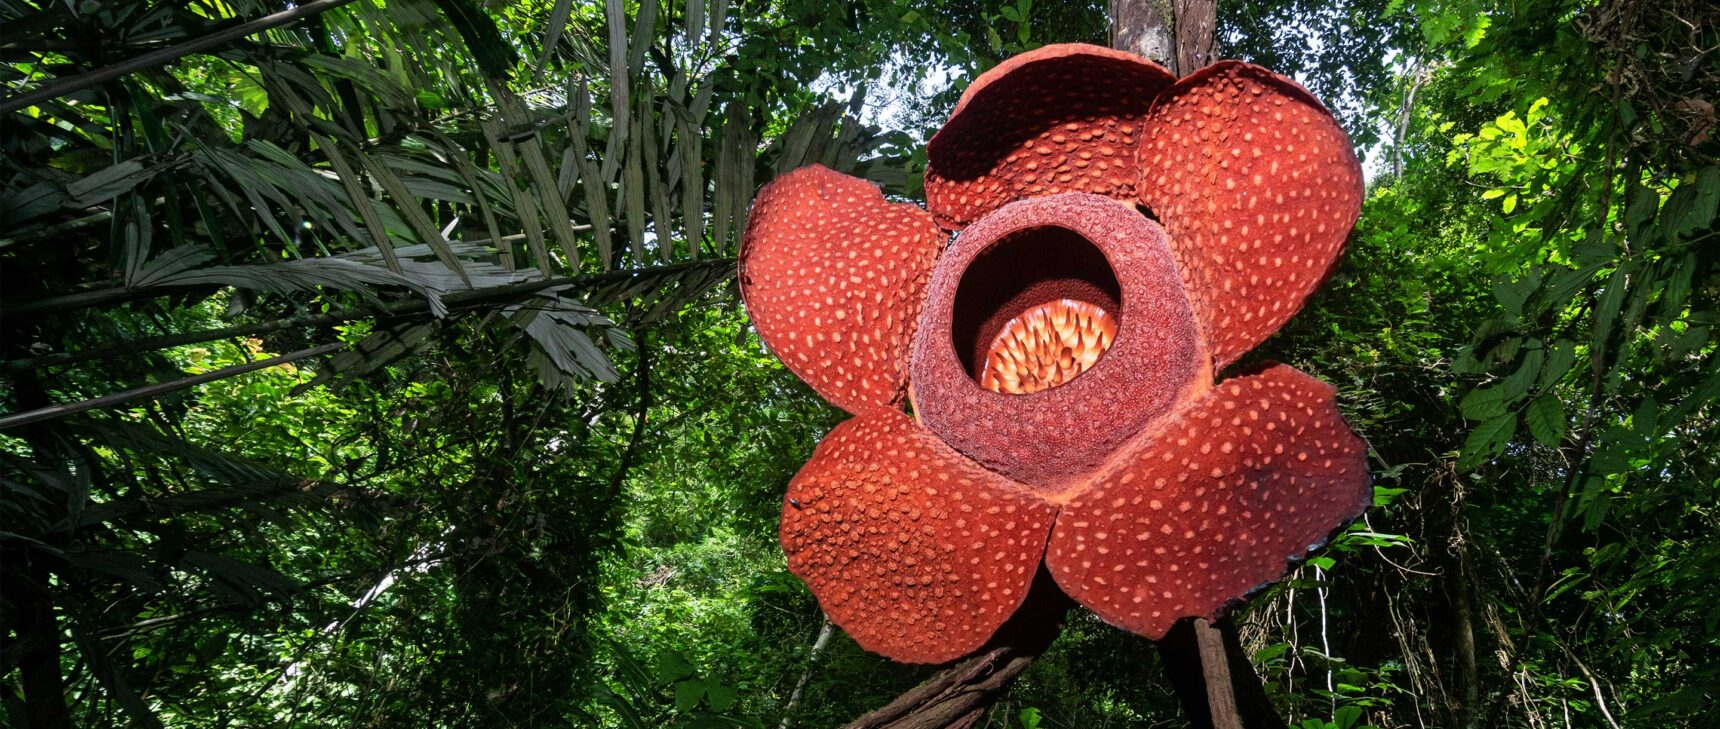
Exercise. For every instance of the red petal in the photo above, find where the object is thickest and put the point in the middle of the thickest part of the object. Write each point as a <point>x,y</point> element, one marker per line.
<point>1212,506</point>
<point>833,276</point>
<point>1258,188</point>
<point>913,549</point>
<point>1062,118</point>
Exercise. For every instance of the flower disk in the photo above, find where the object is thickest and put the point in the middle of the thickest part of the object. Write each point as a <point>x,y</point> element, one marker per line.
<point>917,552</point>
<point>1046,346</point>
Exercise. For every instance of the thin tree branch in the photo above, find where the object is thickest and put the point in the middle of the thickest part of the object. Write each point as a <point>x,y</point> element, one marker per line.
<point>824,631</point>
<point>61,304</point>
<point>151,344</point>
<point>642,411</point>
<point>59,411</point>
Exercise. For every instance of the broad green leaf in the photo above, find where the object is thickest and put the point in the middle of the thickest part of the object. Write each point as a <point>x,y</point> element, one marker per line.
<point>1346,717</point>
<point>494,55</point>
<point>1560,357</point>
<point>595,176</point>
<point>1488,440</point>
<point>688,693</point>
<point>112,678</point>
<point>672,666</point>
<point>1484,403</point>
<point>537,167</point>
<point>360,201</point>
<point>695,21</point>
<point>1639,209</point>
<point>719,18</point>
<point>1678,286</point>
<point>658,183</point>
<point>1606,311</point>
<point>691,146</point>
<point>107,183</point>
<point>1512,292</point>
<point>620,92</point>
<point>414,215</point>
<point>1546,419</point>
<point>1704,204</point>
<point>1267,654</point>
<point>525,204</point>
<point>1519,382</point>
<point>1028,718</point>
<point>644,29</point>
<point>633,200</point>
<point>1646,419</point>
<point>1505,352</point>
<point>720,697</point>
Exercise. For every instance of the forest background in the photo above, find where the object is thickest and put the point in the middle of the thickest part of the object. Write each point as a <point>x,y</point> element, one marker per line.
<point>378,363</point>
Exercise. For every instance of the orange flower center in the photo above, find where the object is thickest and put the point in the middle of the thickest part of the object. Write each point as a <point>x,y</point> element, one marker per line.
<point>1046,346</point>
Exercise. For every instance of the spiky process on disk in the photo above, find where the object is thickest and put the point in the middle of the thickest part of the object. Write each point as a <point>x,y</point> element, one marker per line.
<point>1060,355</point>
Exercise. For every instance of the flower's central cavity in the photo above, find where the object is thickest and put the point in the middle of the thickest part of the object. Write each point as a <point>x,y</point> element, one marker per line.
<point>1054,330</point>
<point>1034,310</point>
<point>1047,346</point>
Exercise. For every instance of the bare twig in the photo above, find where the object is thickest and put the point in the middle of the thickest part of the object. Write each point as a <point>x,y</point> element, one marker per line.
<point>824,631</point>
<point>59,411</point>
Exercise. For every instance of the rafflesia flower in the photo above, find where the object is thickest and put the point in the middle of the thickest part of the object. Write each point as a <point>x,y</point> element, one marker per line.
<point>1124,236</point>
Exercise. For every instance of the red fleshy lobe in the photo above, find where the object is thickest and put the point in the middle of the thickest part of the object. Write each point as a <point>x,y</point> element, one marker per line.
<point>918,553</point>
<point>833,276</point>
<point>1213,505</point>
<point>1078,246</point>
<point>1061,118</point>
<point>1258,189</point>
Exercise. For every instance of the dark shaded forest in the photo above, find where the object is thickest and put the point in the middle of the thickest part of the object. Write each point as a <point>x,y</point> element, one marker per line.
<point>374,363</point>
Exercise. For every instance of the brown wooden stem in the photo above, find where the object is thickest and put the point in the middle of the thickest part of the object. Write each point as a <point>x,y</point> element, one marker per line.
<point>1215,669</point>
<point>958,696</point>
<point>1210,672</point>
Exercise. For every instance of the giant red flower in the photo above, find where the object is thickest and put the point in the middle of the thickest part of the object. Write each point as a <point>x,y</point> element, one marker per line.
<point>1060,354</point>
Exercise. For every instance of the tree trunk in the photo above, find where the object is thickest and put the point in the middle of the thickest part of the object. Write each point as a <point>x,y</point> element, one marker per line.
<point>1177,34</point>
<point>27,581</point>
<point>38,629</point>
<point>1468,672</point>
<point>1145,28</point>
